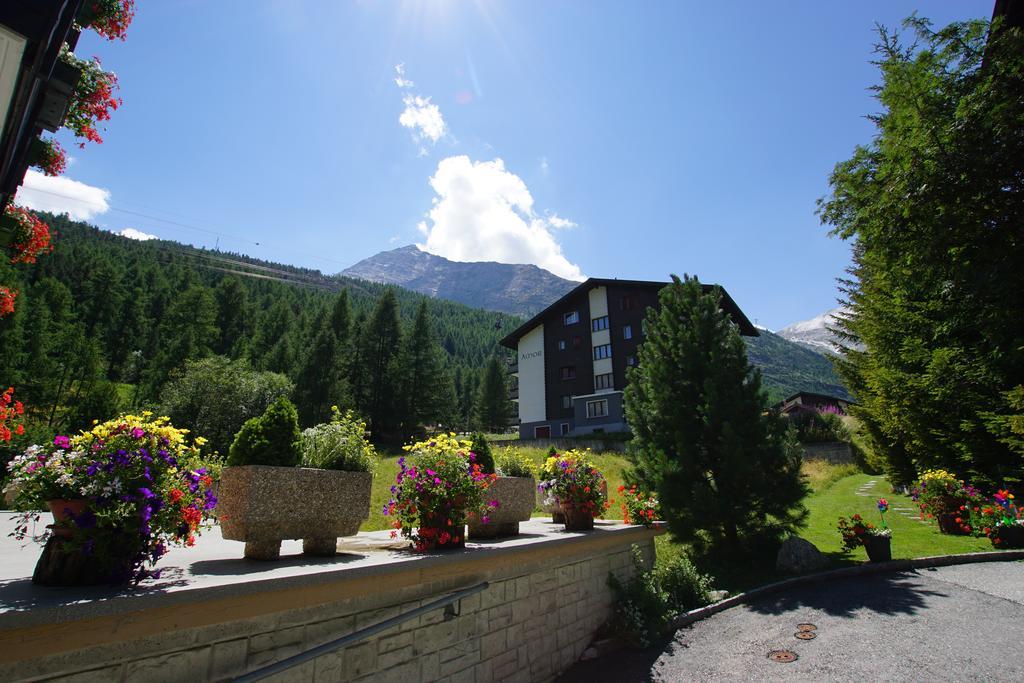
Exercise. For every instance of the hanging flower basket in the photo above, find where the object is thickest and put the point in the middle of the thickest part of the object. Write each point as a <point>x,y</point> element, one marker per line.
<point>93,99</point>
<point>109,18</point>
<point>27,236</point>
<point>48,156</point>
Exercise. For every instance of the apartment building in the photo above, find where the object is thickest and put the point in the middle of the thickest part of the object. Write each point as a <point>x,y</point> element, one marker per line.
<point>571,358</point>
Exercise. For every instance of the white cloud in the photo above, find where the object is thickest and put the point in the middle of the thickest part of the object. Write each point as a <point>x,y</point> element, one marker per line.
<point>400,80</point>
<point>58,195</point>
<point>423,118</point>
<point>482,212</point>
<point>559,223</point>
<point>133,234</point>
<point>545,168</point>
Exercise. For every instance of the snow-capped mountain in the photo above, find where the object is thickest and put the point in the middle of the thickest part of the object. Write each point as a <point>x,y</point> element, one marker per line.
<point>814,334</point>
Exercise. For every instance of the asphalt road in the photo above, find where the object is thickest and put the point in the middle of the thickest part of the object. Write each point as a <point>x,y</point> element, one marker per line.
<point>961,623</point>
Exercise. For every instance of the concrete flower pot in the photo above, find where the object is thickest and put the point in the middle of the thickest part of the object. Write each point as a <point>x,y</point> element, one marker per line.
<point>263,505</point>
<point>516,498</point>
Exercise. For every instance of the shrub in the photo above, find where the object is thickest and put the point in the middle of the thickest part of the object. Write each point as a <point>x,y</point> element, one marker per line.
<point>482,450</point>
<point>215,396</point>
<point>817,427</point>
<point>514,463</point>
<point>270,439</point>
<point>340,444</point>
<point>650,599</point>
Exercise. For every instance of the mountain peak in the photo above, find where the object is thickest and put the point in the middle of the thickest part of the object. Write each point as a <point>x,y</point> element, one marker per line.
<point>520,289</point>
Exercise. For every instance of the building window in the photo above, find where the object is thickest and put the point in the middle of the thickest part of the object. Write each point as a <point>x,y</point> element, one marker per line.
<point>627,303</point>
<point>577,342</point>
<point>627,331</point>
<point>597,408</point>
<point>568,372</point>
<point>604,381</point>
<point>630,361</point>
<point>602,351</point>
<point>571,318</point>
<point>561,345</point>
<point>598,324</point>
<point>567,401</point>
<point>564,427</point>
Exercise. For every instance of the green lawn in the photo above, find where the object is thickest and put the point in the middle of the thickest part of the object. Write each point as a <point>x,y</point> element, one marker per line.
<point>611,465</point>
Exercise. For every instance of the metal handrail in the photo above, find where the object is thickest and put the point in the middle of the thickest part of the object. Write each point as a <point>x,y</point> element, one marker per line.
<point>362,634</point>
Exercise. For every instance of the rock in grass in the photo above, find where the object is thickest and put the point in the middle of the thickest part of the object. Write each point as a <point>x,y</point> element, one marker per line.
<point>798,556</point>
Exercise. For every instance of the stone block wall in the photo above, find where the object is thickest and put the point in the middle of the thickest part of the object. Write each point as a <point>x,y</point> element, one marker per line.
<point>533,621</point>
<point>835,452</point>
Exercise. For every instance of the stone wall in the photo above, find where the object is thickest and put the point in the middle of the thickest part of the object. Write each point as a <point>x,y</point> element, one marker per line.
<point>542,608</point>
<point>835,452</point>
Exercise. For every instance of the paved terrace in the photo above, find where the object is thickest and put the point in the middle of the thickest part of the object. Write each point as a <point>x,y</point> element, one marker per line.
<point>542,581</point>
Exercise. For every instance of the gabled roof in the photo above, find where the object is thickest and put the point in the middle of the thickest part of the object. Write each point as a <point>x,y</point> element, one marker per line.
<point>511,341</point>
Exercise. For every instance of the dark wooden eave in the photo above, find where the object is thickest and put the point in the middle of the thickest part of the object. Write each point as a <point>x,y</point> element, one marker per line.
<point>511,341</point>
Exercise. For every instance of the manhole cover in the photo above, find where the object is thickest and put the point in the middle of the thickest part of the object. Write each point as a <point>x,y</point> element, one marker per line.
<point>806,627</point>
<point>806,635</point>
<point>782,656</point>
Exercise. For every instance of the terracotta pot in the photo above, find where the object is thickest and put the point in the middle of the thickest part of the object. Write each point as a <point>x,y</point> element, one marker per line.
<point>63,511</point>
<point>948,524</point>
<point>1008,536</point>
<point>879,548</point>
<point>578,520</point>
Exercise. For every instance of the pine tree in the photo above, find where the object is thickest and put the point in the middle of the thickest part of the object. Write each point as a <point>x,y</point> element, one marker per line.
<point>933,206</point>
<point>380,343</point>
<point>232,317</point>
<point>317,386</point>
<point>722,469</point>
<point>493,409</point>
<point>426,384</point>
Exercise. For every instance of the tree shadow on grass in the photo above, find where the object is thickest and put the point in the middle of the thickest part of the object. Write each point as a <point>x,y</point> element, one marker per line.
<point>887,593</point>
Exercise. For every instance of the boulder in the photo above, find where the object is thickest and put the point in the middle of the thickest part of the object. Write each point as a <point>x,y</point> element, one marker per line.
<point>797,556</point>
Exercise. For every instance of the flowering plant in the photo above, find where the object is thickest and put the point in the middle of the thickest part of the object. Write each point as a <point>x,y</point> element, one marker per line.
<point>856,530</point>
<point>145,486</point>
<point>939,492</point>
<point>7,298</point>
<point>572,480</point>
<point>93,99</point>
<point>438,485</point>
<point>638,507</point>
<point>109,18</point>
<point>9,410</point>
<point>50,157</point>
<point>31,235</point>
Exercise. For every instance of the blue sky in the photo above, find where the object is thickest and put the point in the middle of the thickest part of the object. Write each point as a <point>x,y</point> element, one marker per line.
<point>610,139</point>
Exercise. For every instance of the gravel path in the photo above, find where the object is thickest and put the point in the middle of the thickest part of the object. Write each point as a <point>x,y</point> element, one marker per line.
<point>952,623</point>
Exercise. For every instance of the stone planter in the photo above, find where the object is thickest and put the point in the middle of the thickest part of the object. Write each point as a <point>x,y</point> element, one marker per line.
<point>879,548</point>
<point>555,510</point>
<point>516,498</point>
<point>263,505</point>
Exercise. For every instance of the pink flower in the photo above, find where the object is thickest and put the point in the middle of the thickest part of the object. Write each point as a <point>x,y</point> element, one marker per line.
<point>138,433</point>
<point>61,442</point>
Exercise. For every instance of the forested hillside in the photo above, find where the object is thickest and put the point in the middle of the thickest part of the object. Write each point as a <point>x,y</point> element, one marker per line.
<point>103,321</point>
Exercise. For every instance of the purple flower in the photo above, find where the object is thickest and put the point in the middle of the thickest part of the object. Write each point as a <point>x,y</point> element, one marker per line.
<point>145,493</point>
<point>62,442</point>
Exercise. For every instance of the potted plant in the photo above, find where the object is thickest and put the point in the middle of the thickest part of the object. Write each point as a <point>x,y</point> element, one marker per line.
<point>579,488</point>
<point>280,484</point>
<point>638,507</point>
<point>438,486</point>
<point>48,156</point>
<point>513,492</point>
<point>945,498</point>
<point>27,236</point>
<point>1003,521</point>
<point>109,18</point>
<point>858,532</point>
<point>119,493</point>
<point>548,503</point>
<point>92,99</point>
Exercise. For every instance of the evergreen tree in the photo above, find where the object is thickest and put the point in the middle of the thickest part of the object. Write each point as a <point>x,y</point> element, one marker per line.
<point>380,342</point>
<point>232,317</point>
<point>318,385</point>
<point>493,409</point>
<point>934,208</point>
<point>340,314</point>
<point>426,384</point>
<point>723,470</point>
